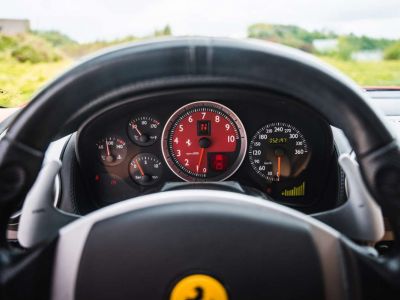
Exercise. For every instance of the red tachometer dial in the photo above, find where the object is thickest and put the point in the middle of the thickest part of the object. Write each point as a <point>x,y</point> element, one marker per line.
<point>204,141</point>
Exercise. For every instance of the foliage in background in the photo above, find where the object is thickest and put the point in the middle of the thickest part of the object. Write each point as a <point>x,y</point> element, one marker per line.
<point>288,35</point>
<point>366,43</point>
<point>28,61</point>
<point>55,38</point>
<point>300,38</point>
<point>76,51</point>
<point>392,52</point>
<point>19,81</point>
<point>28,48</point>
<point>349,44</point>
<point>368,73</point>
<point>166,31</point>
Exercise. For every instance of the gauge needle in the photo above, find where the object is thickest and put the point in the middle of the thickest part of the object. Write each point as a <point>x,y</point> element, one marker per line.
<point>200,158</point>
<point>139,167</point>
<point>108,148</point>
<point>137,129</point>
<point>278,171</point>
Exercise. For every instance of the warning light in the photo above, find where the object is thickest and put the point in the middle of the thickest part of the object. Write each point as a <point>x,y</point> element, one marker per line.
<point>219,162</point>
<point>97,178</point>
<point>203,128</point>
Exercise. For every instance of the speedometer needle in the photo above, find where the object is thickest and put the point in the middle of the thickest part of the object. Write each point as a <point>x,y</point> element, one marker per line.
<point>278,171</point>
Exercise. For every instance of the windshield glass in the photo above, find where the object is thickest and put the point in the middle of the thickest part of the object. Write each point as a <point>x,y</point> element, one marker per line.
<point>41,38</point>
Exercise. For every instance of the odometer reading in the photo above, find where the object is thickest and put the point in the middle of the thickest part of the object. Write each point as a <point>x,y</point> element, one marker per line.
<point>204,141</point>
<point>277,151</point>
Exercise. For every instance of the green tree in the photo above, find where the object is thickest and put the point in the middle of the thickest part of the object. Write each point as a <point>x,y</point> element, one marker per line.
<point>28,48</point>
<point>7,42</point>
<point>290,35</point>
<point>166,31</point>
<point>392,52</point>
<point>55,38</point>
<point>297,37</point>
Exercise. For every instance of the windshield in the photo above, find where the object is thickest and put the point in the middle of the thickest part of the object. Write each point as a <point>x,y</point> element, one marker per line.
<point>41,38</point>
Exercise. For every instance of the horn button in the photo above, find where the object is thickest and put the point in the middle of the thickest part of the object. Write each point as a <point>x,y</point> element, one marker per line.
<point>245,252</point>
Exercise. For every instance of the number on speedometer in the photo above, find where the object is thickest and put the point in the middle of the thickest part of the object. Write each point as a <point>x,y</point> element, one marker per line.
<point>204,141</point>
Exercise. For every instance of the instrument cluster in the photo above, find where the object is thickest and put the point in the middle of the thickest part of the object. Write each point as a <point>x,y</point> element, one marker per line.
<point>275,146</point>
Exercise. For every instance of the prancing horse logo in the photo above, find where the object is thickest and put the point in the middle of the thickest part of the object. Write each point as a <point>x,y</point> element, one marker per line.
<point>199,294</point>
<point>198,287</point>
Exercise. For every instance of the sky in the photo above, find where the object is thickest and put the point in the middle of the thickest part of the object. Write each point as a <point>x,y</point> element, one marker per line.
<point>88,20</point>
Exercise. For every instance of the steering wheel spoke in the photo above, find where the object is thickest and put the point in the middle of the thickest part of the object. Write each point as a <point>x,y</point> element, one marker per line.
<point>359,218</point>
<point>40,220</point>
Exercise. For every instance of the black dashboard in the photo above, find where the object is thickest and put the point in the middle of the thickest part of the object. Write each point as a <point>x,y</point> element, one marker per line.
<point>270,144</point>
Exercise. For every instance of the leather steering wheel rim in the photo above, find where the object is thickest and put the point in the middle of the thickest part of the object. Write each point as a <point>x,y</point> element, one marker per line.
<point>195,61</point>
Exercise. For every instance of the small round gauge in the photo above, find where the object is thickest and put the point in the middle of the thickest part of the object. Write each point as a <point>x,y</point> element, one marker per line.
<point>204,141</point>
<point>111,150</point>
<point>278,151</point>
<point>144,130</point>
<point>145,169</point>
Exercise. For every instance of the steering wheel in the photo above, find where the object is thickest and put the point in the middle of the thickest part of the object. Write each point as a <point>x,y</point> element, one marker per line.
<point>197,244</point>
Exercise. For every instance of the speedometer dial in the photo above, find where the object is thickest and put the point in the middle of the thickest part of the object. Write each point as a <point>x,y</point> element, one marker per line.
<point>204,141</point>
<point>278,151</point>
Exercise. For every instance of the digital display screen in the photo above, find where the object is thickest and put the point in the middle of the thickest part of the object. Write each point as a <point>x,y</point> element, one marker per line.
<point>203,128</point>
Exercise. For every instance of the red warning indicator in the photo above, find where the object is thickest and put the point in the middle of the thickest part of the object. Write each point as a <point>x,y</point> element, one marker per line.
<point>219,162</point>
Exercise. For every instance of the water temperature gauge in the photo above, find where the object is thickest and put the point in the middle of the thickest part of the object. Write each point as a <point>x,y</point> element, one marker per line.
<point>111,150</point>
<point>145,169</point>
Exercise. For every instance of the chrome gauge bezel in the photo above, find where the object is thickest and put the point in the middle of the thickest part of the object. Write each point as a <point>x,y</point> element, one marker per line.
<point>301,136</point>
<point>174,118</point>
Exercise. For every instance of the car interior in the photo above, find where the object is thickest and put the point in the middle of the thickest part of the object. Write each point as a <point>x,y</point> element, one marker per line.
<point>201,168</point>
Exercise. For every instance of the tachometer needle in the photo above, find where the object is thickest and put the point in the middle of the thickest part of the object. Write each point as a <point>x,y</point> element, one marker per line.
<point>139,167</point>
<point>200,158</point>
<point>278,171</point>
